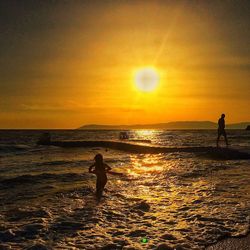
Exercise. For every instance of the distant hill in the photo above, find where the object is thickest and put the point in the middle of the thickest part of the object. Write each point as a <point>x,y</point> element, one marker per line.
<point>241,125</point>
<point>169,125</point>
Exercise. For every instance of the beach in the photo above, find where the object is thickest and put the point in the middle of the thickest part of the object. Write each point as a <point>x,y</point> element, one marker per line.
<point>176,200</point>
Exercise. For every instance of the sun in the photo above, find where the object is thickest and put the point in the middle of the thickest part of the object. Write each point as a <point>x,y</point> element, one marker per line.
<point>146,79</point>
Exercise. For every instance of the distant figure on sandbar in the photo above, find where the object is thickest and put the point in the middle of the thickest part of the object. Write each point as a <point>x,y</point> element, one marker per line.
<point>99,168</point>
<point>221,129</point>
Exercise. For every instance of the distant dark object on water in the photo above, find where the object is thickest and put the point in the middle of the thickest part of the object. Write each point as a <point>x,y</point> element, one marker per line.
<point>248,127</point>
<point>124,135</point>
<point>44,139</point>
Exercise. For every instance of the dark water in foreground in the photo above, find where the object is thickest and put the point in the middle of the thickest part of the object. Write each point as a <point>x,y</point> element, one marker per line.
<point>177,199</point>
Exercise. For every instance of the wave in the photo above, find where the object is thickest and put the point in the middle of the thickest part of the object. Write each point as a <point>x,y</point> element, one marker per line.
<point>61,162</point>
<point>13,147</point>
<point>32,179</point>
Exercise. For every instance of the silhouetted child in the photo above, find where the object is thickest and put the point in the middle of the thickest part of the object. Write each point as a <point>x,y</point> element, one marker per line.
<point>99,168</point>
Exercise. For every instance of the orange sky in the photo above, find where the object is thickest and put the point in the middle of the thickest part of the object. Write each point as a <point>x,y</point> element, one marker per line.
<point>68,64</point>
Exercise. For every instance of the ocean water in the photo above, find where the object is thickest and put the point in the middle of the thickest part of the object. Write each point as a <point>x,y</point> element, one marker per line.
<point>181,200</point>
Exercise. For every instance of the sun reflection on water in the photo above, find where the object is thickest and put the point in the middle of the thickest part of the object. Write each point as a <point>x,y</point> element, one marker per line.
<point>145,132</point>
<point>149,165</point>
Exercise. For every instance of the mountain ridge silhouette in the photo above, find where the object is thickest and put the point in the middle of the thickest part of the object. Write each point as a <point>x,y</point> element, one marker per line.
<point>167,125</point>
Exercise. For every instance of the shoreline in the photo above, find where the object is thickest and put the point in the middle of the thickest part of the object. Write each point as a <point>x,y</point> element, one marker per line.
<point>232,243</point>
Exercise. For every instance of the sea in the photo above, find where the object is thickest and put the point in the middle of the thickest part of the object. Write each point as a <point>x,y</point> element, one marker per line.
<point>171,200</point>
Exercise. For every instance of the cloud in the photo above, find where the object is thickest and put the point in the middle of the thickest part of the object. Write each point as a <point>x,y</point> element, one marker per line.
<point>75,107</point>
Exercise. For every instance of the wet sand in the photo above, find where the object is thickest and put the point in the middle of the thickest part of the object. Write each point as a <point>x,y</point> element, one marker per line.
<point>242,243</point>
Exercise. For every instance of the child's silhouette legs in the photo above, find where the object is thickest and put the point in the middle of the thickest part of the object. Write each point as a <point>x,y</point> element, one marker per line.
<point>100,184</point>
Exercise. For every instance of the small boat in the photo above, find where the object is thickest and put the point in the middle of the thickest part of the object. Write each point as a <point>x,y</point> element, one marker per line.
<point>248,127</point>
<point>124,135</point>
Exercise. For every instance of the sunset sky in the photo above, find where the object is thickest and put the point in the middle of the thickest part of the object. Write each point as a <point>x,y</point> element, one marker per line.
<point>68,63</point>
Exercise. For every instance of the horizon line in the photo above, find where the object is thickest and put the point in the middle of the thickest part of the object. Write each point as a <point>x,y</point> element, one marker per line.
<point>127,125</point>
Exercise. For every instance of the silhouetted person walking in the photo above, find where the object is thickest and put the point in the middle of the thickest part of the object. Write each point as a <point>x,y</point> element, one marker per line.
<point>221,129</point>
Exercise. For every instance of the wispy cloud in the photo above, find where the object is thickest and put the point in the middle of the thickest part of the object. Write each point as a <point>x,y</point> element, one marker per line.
<point>75,107</point>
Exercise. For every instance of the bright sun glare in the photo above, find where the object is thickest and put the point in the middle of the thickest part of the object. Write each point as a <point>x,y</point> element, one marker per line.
<point>146,79</point>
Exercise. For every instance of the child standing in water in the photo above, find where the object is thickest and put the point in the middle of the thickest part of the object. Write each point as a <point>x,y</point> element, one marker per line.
<point>99,168</point>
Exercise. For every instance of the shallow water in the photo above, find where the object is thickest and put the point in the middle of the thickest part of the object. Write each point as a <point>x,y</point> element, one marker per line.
<point>177,199</point>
